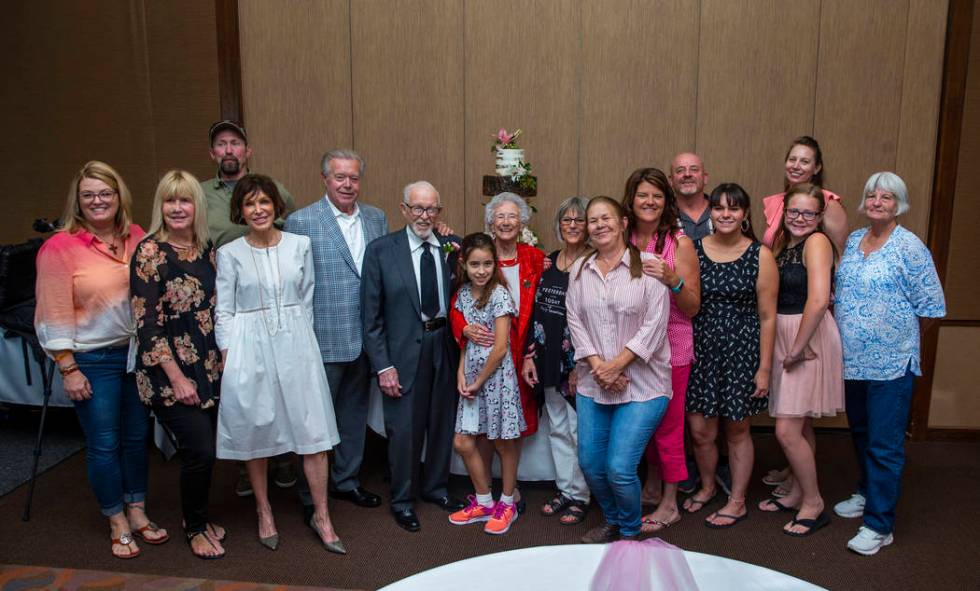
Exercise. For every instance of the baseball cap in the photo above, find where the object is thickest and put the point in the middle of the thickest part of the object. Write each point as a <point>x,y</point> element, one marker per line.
<point>229,125</point>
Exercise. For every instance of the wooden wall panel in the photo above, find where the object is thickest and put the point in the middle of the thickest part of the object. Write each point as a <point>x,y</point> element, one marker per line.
<point>522,61</point>
<point>296,83</point>
<point>408,113</point>
<point>955,403</point>
<point>183,77</point>
<point>639,88</point>
<point>917,133</point>
<point>755,91</point>
<point>110,80</point>
<point>962,280</point>
<point>859,92</point>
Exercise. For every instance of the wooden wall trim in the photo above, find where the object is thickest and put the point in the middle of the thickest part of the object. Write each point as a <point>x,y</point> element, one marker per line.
<point>937,434</point>
<point>229,61</point>
<point>968,322</point>
<point>958,29</point>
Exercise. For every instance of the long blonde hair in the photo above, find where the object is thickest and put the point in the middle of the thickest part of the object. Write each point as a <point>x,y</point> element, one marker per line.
<point>184,184</point>
<point>73,220</point>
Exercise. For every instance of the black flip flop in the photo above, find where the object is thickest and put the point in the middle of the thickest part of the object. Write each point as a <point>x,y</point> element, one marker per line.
<point>694,499</point>
<point>812,525</point>
<point>736,518</point>
<point>576,510</point>
<point>776,502</point>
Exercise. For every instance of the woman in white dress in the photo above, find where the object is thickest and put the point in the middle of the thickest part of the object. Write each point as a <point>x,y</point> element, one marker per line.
<point>275,396</point>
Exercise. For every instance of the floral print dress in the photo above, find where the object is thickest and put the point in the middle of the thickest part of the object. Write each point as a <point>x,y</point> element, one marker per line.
<point>496,409</point>
<point>173,299</point>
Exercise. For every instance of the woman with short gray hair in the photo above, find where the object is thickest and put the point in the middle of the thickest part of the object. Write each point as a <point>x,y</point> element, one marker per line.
<point>887,286</point>
<point>550,360</point>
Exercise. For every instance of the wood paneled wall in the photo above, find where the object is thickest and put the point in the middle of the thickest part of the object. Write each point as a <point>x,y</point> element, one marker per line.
<point>130,82</point>
<point>600,88</point>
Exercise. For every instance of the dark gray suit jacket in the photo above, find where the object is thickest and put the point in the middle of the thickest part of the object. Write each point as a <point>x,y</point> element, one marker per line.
<point>390,307</point>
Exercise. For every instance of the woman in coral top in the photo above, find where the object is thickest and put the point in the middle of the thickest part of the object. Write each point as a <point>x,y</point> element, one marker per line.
<point>84,321</point>
<point>522,265</point>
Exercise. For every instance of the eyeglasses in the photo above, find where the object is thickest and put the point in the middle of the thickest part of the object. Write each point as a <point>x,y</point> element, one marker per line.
<point>102,195</point>
<point>808,216</point>
<point>506,217</point>
<point>417,211</point>
<point>570,221</point>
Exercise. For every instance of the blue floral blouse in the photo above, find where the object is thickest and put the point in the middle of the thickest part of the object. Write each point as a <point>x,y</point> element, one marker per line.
<point>879,300</point>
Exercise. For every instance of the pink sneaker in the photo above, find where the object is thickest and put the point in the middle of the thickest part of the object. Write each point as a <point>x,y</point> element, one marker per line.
<point>503,517</point>
<point>472,513</point>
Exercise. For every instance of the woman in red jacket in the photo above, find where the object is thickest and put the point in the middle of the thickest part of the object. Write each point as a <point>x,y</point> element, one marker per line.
<point>522,266</point>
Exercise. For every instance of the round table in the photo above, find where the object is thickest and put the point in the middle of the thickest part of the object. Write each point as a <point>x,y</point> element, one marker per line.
<point>571,567</point>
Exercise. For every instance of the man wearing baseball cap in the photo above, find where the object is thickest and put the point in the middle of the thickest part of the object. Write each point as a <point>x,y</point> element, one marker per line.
<point>231,152</point>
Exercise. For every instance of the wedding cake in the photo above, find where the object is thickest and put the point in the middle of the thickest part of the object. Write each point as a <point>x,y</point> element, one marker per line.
<point>513,172</point>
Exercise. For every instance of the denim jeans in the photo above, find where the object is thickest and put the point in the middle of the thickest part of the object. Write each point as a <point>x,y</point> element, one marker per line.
<point>115,424</point>
<point>878,413</point>
<point>611,440</point>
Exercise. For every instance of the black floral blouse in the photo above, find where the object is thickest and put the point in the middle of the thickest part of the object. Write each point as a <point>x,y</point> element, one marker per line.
<point>173,297</point>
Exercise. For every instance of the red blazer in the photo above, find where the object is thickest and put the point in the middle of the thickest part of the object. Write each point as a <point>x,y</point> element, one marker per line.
<point>531,261</point>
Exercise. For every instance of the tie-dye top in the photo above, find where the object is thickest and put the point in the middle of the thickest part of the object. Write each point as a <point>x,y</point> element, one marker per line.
<point>83,292</point>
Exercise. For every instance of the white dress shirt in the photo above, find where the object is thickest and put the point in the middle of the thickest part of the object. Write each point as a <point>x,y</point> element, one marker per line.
<point>415,245</point>
<point>353,231</point>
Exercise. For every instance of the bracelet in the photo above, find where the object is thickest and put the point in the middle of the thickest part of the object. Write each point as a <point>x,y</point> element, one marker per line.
<point>64,371</point>
<point>677,288</point>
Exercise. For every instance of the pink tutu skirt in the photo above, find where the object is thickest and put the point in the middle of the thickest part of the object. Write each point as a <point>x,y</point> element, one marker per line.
<point>813,387</point>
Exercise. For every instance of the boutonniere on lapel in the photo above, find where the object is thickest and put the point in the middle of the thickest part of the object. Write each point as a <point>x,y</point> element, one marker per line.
<point>449,247</point>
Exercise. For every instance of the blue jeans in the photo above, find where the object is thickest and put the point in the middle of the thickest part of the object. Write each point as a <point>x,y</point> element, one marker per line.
<point>878,413</point>
<point>611,440</point>
<point>115,422</point>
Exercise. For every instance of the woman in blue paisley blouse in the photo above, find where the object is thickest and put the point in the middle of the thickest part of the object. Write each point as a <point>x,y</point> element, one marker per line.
<point>178,368</point>
<point>887,287</point>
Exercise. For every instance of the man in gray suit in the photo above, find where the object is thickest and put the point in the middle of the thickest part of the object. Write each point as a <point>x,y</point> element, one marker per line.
<point>340,228</point>
<point>405,294</point>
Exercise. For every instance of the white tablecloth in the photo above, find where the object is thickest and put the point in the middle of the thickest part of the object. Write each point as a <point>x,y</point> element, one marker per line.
<point>570,568</point>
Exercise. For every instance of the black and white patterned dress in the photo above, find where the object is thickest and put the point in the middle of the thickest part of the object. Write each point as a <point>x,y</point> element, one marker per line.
<point>726,338</point>
<point>496,410</point>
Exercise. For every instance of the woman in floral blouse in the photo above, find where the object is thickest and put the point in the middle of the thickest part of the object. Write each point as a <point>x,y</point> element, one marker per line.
<point>178,368</point>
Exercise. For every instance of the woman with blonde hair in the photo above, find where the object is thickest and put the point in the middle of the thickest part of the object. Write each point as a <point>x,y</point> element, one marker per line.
<point>85,323</point>
<point>179,365</point>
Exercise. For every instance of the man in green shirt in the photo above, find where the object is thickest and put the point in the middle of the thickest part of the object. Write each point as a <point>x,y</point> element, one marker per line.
<point>231,152</point>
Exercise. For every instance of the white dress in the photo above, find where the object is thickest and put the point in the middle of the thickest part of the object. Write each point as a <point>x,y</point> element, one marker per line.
<point>274,392</point>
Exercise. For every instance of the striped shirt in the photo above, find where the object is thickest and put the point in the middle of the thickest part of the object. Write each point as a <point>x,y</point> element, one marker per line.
<point>607,314</point>
<point>83,292</point>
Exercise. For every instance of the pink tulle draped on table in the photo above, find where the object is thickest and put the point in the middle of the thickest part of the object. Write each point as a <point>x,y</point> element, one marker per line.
<point>643,566</point>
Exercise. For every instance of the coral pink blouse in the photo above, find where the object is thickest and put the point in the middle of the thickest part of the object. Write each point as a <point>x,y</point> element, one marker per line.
<point>83,292</point>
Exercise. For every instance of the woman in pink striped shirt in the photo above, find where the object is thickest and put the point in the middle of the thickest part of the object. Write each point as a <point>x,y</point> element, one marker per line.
<point>84,321</point>
<point>617,317</point>
<point>652,211</point>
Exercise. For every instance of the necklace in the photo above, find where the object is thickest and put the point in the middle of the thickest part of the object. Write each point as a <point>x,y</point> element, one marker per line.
<point>568,259</point>
<point>110,244</point>
<point>273,327</point>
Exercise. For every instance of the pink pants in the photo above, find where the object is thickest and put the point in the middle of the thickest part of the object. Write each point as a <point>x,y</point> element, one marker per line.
<point>666,447</point>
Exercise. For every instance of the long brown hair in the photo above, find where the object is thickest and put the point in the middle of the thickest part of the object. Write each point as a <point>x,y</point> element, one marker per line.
<point>636,262</point>
<point>475,241</point>
<point>738,197</point>
<point>809,190</point>
<point>809,142</point>
<point>668,217</point>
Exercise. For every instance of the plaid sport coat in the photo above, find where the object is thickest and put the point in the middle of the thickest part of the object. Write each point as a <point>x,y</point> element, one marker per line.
<point>337,292</point>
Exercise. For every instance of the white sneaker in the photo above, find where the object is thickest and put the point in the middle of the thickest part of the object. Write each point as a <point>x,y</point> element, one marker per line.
<point>867,542</point>
<point>852,507</point>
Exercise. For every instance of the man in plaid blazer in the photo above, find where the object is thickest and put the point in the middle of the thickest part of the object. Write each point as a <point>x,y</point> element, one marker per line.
<point>340,228</point>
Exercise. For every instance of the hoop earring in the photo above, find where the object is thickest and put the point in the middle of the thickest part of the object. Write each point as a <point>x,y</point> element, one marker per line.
<point>745,225</point>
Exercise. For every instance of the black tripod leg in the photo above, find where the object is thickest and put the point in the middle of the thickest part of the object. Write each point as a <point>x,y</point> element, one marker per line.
<point>47,378</point>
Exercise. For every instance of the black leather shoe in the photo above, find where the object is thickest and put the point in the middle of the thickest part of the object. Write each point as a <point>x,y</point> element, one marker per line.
<point>446,503</point>
<point>359,496</point>
<point>406,519</point>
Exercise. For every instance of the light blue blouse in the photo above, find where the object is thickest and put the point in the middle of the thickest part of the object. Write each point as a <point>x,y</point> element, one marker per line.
<point>879,300</point>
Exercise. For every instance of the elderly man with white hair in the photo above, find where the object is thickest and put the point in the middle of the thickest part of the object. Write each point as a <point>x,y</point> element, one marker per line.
<point>406,287</point>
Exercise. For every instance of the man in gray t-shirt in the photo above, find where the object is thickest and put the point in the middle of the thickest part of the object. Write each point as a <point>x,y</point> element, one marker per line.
<point>687,177</point>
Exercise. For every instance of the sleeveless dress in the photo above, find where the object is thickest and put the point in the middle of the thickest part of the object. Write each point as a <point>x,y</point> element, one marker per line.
<point>815,386</point>
<point>496,410</point>
<point>726,338</point>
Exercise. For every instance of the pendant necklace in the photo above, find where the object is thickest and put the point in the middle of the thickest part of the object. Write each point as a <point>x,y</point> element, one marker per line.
<point>276,326</point>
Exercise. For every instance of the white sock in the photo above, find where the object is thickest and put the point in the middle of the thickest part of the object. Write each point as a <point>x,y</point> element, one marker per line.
<point>485,500</point>
<point>507,499</point>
